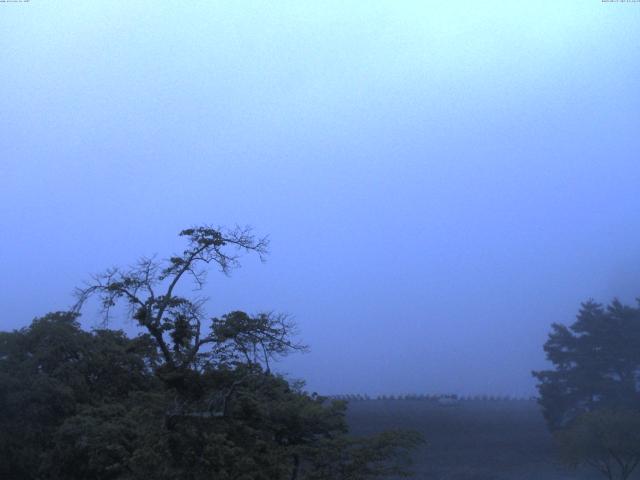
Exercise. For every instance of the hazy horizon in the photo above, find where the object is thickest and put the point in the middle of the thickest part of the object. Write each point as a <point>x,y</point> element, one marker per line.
<point>440,182</point>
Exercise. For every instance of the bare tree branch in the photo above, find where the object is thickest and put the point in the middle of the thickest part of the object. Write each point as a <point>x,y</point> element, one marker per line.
<point>176,322</point>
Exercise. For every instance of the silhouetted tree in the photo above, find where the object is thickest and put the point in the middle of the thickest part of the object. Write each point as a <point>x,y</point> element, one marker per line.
<point>596,363</point>
<point>591,398</point>
<point>190,397</point>
<point>150,290</point>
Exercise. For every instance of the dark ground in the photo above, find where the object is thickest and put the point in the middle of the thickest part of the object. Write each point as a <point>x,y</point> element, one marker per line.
<point>474,440</point>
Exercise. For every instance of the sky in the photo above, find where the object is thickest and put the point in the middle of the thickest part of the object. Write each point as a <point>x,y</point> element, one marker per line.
<point>440,181</point>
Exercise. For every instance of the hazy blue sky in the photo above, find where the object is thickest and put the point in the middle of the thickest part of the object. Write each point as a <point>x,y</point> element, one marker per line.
<point>440,180</point>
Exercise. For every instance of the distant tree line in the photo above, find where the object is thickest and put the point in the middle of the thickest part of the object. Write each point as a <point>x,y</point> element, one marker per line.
<point>357,397</point>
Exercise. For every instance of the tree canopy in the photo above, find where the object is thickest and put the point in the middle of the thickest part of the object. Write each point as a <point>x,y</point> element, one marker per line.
<point>189,397</point>
<point>591,397</point>
<point>605,439</point>
<point>596,363</point>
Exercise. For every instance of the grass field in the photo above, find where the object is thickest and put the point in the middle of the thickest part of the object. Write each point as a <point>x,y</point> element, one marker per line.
<point>474,440</point>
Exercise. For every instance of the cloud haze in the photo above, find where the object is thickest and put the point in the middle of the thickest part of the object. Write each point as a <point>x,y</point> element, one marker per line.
<point>440,182</point>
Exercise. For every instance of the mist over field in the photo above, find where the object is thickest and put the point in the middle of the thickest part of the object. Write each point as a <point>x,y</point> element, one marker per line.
<point>440,181</point>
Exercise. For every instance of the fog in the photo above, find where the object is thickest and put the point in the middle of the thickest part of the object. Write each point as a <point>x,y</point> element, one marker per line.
<point>440,181</point>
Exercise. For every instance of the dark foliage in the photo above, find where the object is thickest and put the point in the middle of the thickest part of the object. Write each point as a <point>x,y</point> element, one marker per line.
<point>596,363</point>
<point>179,400</point>
<point>591,399</point>
<point>607,440</point>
